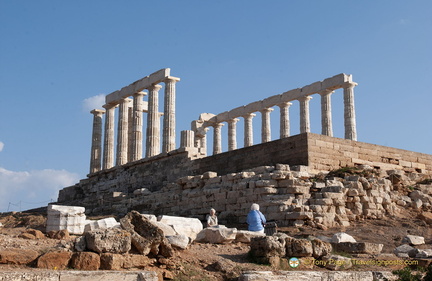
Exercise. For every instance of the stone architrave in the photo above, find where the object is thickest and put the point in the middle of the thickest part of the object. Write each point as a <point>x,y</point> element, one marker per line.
<point>248,130</point>
<point>137,126</point>
<point>304,114</point>
<point>96,148</point>
<point>349,111</point>
<point>169,122</point>
<point>122,137</point>
<point>232,134</point>
<point>265,125</point>
<point>326,114</point>
<point>217,138</point>
<point>284,119</point>
<point>108,153</point>
<point>153,122</point>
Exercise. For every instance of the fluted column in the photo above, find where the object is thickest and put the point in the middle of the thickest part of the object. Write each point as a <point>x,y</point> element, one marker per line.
<point>248,130</point>
<point>326,113</point>
<point>265,124</point>
<point>304,114</point>
<point>232,134</point>
<point>284,119</point>
<point>217,138</point>
<point>153,122</point>
<point>137,126</point>
<point>169,122</point>
<point>108,153</point>
<point>96,148</point>
<point>349,111</point>
<point>130,133</point>
<point>122,135</point>
<point>187,138</point>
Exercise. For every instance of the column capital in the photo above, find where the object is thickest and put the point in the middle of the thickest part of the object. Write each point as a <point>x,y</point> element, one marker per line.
<point>218,125</point>
<point>284,104</point>
<point>349,84</point>
<point>304,98</point>
<point>97,111</point>
<point>155,87</point>
<point>109,106</point>
<point>249,115</point>
<point>233,121</point>
<point>171,79</point>
<point>265,110</point>
<point>140,94</point>
<point>326,92</point>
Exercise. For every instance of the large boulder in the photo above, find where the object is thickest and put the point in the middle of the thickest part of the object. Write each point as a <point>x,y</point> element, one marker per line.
<point>245,236</point>
<point>268,246</point>
<point>66,217</point>
<point>146,237</point>
<point>18,256</point>
<point>405,251</point>
<point>85,261</point>
<point>298,247</point>
<point>186,226</point>
<point>217,235</point>
<point>54,260</point>
<point>321,248</point>
<point>109,240</point>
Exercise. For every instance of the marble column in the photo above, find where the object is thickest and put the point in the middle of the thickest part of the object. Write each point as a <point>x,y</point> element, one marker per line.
<point>137,126</point>
<point>130,134</point>
<point>187,138</point>
<point>169,122</point>
<point>122,132</point>
<point>217,138</point>
<point>153,122</point>
<point>284,119</point>
<point>265,125</point>
<point>304,114</point>
<point>349,111</point>
<point>96,148</point>
<point>108,153</point>
<point>248,130</point>
<point>326,113</point>
<point>232,134</point>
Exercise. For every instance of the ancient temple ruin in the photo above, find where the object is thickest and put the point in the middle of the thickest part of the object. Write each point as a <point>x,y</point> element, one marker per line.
<point>183,180</point>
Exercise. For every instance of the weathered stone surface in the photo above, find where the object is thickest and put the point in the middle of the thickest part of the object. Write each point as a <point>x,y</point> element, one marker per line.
<point>145,236</point>
<point>413,240</point>
<point>299,275</point>
<point>70,275</point>
<point>80,244</point>
<point>108,240</point>
<point>342,237</point>
<point>268,246</point>
<point>335,262</point>
<point>179,241</point>
<point>102,223</point>
<point>167,230</point>
<point>186,226</point>
<point>66,217</point>
<point>54,260</point>
<point>405,251</point>
<point>136,261</point>
<point>32,234</point>
<point>85,261</point>
<point>59,234</point>
<point>320,248</point>
<point>217,235</point>
<point>111,261</point>
<point>18,256</point>
<point>245,236</point>
<point>424,253</point>
<point>299,248</point>
<point>358,248</point>
<point>426,216</point>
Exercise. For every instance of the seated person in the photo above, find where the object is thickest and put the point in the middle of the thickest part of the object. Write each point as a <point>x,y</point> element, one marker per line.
<point>212,219</point>
<point>255,219</point>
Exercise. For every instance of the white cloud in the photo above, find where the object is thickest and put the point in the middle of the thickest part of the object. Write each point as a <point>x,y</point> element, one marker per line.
<point>25,190</point>
<point>1,146</point>
<point>94,102</point>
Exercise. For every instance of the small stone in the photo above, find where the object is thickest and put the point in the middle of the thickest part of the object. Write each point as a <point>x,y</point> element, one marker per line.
<point>342,237</point>
<point>413,240</point>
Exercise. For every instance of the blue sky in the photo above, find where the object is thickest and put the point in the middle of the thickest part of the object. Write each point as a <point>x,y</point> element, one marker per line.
<point>57,58</point>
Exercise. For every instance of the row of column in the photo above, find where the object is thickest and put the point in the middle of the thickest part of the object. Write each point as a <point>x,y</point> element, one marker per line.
<point>326,120</point>
<point>130,128</point>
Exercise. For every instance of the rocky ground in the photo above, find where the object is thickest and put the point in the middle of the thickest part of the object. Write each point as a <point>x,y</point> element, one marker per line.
<point>223,261</point>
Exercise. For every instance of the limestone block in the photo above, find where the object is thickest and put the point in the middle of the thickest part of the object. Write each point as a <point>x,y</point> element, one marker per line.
<point>237,112</point>
<point>358,248</point>
<point>111,261</point>
<point>66,217</point>
<point>217,235</point>
<point>413,240</point>
<point>333,195</point>
<point>101,224</point>
<point>186,226</point>
<point>268,246</point>
<point>299,216</point>
<point>298,189</point>
<point>110,240</point>
<point>266,183</point>
<point>321,248</point>
<point>18,256</point>
<point>254,107</point>
<point>54,260</point>
<point>405,251</point>
<point>335,262</point>
<point>323,202</point>
<point>341,237</point>
<point>298,248</point>
<point>424,253</point>
<point>85,261</point>
<point>179,241</point>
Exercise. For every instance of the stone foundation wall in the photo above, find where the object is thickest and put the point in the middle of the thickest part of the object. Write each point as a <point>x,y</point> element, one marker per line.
<point>271,174</point>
